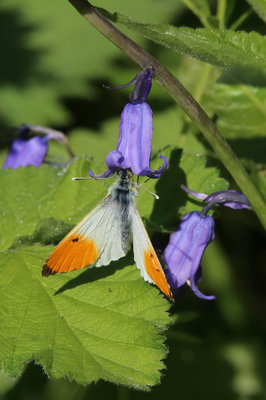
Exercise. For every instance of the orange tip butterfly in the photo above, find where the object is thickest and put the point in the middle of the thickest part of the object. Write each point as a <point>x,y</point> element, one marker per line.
<point>103,236</point>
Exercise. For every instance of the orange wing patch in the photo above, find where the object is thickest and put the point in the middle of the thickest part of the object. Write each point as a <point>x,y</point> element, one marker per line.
<point>74,252</point>
<point>155,272</point>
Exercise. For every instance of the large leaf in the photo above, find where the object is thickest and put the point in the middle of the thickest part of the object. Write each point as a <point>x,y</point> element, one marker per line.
<point>97,324</point>
<point>222,48</point>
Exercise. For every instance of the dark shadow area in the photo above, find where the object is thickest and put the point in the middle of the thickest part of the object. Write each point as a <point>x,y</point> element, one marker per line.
<point>171,197</point>
<point>252,149</point>
<point>29,386</point>
<point>234,229</point>
<point>19,62</point>
<point>7,135</point>
<point>252,23</point>
<point>91,112</point>
<point>105,104</point>
<point>92,274</point>
<point>48,231</point>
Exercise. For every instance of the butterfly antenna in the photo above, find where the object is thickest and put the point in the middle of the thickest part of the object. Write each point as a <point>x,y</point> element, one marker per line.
<point>77,178</point>
<point>153,194</point>
<point>146,190</point>
<point>141,184</point>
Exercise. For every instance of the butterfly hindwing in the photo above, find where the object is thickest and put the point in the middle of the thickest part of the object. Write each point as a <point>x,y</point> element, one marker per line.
<point>145,256</point>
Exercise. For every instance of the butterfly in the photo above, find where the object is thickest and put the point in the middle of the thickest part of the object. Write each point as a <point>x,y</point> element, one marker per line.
<point>104,234</point>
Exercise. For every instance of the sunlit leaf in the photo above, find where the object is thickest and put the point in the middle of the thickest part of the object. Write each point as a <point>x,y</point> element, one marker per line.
<point>241,110</point>
<point>89,325</point>
<point>222,48</point>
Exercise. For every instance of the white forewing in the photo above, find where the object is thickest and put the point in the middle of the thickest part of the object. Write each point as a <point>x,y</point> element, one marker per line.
<point>103,225</point>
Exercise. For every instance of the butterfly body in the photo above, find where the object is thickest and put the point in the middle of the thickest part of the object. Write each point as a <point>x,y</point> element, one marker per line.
<point>104,235</point>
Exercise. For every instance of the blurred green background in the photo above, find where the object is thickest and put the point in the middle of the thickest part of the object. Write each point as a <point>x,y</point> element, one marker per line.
<point>53,65</point>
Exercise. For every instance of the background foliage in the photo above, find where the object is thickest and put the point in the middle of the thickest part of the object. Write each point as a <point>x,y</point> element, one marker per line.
<point>54,64</point>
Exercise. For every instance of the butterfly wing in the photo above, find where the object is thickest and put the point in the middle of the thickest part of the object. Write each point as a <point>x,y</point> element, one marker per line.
<point>145,256</point>
<point>96,239</point>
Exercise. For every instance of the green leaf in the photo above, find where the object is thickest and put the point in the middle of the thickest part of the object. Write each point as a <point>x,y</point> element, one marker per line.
<point>31,194</point>
<point>222,48</point>
<point>241,110</point>
<point>189,169</point>
<point>96,324</point>
<point>260,7</point>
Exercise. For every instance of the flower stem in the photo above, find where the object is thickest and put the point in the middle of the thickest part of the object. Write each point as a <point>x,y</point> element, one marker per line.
<point>221,10</point>
<point>241,19</point>
<point>203,81</point>
<point>184,99</point>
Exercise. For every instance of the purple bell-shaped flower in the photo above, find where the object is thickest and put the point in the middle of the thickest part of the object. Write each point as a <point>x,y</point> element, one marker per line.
<point>26,151</point>
<point>186,246</point>
<point>133,149</point>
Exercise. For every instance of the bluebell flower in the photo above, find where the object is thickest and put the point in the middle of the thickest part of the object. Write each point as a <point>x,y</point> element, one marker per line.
<point>227,198</point>
<point>185,249</point>
<point>133,149</point>
<point>186,246</point>
<point>26,151</point>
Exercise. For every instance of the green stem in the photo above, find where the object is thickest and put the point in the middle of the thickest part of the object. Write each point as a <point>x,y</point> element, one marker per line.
<point>221,9</point>
<point>205,73</point>
<point>241,19</point>
<point>184,100</point>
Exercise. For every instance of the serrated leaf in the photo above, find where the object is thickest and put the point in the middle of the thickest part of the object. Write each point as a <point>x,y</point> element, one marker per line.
<point>222,48</point>
<point>260,7</point>
<point>96,324</point>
